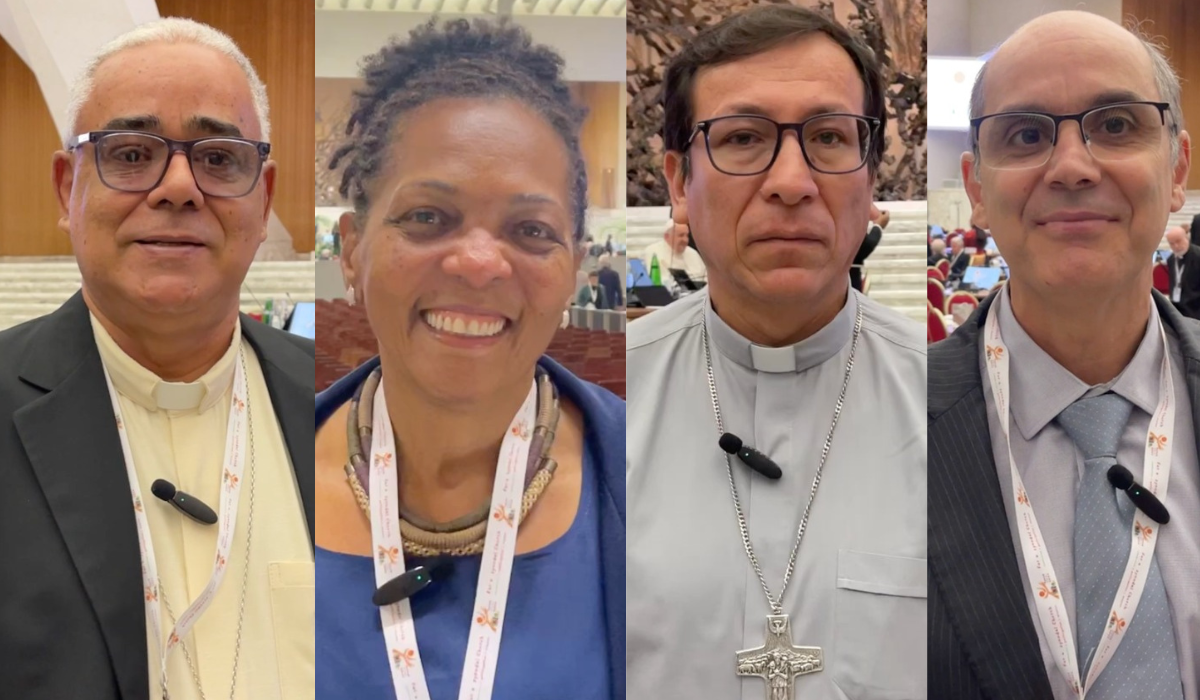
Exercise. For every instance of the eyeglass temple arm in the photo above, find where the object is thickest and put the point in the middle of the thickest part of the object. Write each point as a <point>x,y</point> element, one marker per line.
<point>77,141</point>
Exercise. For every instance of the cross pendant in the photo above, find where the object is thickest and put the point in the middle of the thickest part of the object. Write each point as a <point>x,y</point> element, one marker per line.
<point>778,661</point>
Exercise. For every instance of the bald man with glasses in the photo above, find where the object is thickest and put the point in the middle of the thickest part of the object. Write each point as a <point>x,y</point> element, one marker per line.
<point>1068,402</point>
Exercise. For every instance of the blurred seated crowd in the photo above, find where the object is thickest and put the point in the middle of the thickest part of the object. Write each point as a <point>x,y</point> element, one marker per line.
<point>965,266</point>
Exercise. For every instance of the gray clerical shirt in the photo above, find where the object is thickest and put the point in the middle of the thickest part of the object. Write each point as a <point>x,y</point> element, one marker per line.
<point>1041,389</point>
<point>859,587</point>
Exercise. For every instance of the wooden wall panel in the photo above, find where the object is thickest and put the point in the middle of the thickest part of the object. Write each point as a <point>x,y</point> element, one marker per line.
<point>600,139</point>
<point>28,212</point>
<point>277,36</point>
<point>1176,23</point>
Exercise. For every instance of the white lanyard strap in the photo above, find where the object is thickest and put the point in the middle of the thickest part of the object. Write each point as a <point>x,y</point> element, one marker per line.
<point>231,489</point>
<point>491,593</point>
<point>1052,613</point>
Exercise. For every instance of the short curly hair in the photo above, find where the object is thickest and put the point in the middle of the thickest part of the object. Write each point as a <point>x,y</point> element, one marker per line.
<point>460,59</point>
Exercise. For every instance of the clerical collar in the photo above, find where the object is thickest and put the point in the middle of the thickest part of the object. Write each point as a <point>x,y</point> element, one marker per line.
<point>150,391</point>
<point>806,354</point>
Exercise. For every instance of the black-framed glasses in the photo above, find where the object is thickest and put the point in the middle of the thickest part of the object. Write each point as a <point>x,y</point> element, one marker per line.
<point>1019,140</point>
<point>137,161</point>
<point>747,144</point>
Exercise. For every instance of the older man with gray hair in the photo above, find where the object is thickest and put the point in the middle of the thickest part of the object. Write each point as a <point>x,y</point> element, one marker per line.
<point>149,382</point>
<point>1059,562</point>
<point>674,253</point>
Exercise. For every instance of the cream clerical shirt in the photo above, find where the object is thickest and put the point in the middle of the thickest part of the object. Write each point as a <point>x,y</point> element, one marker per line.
<point>177,433</point>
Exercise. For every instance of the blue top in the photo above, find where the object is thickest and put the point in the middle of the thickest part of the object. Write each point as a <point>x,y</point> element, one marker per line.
<point>564,632</point>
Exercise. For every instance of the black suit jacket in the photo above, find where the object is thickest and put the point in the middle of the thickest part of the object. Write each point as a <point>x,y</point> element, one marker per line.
<point>870,242</point>
<point>72,616</point>
<point>958,266</point>
<point>612,284</point>
<point>1189,294</point>
<point>982,642</point>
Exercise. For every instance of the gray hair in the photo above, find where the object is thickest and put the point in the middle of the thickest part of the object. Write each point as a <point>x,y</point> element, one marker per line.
<point>1165,79</point>
<point>170,30</point>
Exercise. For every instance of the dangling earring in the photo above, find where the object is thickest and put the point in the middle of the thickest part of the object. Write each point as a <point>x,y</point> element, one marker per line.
<point>350,295</point>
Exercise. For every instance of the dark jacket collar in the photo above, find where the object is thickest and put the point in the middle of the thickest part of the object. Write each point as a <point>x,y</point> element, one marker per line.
<point>972,560</point>
<point>83,479</point>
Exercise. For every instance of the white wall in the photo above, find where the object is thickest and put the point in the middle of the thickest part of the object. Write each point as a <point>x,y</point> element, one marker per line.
<point>592,47</point>
<point>948,27</point>
<point>949,208</point>
<point>945,149</point>
<point>55,38</point>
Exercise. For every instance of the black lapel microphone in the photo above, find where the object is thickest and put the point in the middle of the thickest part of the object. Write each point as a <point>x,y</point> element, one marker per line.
<point>1145,501</point>
<point>752,458</point>
<point>411,582</point>
<point>185,503</point>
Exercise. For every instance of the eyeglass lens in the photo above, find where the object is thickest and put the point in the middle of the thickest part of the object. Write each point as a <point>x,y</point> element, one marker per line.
<point>1118,132</point>
<point>136,162</point>
<point>747,145</point>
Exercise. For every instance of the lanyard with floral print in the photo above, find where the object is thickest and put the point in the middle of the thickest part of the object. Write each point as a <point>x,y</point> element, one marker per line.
<point>491,593</point>
<point>1052,613</point>
<point>231,489</point>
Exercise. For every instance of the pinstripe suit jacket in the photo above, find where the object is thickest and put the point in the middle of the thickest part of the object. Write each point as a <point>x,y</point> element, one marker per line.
<point>982,643</point>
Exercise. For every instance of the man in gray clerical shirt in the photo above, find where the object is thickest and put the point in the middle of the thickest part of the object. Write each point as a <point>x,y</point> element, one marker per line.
<point>1072,380</point>
<point>774,128</point>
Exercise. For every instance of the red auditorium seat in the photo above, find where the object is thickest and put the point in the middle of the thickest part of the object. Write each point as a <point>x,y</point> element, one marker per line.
<point>936,324</point>
<point>936,294</point>
<point>1162,279</point>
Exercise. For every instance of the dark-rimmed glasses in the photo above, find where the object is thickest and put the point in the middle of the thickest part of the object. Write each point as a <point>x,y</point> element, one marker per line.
<point>1113,132</point>
<point>137,161</point>
<point>746,144</point>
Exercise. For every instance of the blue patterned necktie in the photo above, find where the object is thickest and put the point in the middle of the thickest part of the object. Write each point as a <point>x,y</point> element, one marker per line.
<point>1146,664</point>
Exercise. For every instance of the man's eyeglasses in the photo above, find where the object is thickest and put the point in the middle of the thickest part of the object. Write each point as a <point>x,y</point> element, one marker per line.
<point>1019,140</point>
<point>136,161</point>
<point>742,144</point>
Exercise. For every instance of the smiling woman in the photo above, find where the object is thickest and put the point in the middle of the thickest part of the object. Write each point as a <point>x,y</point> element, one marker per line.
<point>463,164</point>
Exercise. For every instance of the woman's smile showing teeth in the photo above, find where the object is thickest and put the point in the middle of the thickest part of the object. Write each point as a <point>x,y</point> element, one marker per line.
<point>466,325</point>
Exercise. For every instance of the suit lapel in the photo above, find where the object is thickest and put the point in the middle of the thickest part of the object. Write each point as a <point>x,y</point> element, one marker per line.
<point>1188,332</point>
<point>71,439</point>
<point>606,461</point>
<point>612,556</point>
<point>290,374</point>
<point>971,556</point>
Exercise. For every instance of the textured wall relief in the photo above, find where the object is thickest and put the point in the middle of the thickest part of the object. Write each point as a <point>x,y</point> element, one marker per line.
<point>894,29</point>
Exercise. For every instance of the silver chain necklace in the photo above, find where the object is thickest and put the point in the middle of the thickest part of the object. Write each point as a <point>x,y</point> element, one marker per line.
<point>779,661</point>
<point>237,646</point>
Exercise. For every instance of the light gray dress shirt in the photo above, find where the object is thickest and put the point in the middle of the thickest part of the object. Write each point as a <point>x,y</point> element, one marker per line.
<point>1051,466</point>
<point>859,588</point>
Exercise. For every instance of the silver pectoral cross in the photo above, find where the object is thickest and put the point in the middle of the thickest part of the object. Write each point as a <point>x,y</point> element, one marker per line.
<point>778,661</point>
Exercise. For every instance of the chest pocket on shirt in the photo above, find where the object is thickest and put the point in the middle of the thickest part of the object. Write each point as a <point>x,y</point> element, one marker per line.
<point>880,635</point>
<point>292,614</point>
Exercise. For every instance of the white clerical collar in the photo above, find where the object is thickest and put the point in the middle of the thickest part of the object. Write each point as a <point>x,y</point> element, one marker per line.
<point>806,354</point>
<point>150,391</point>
